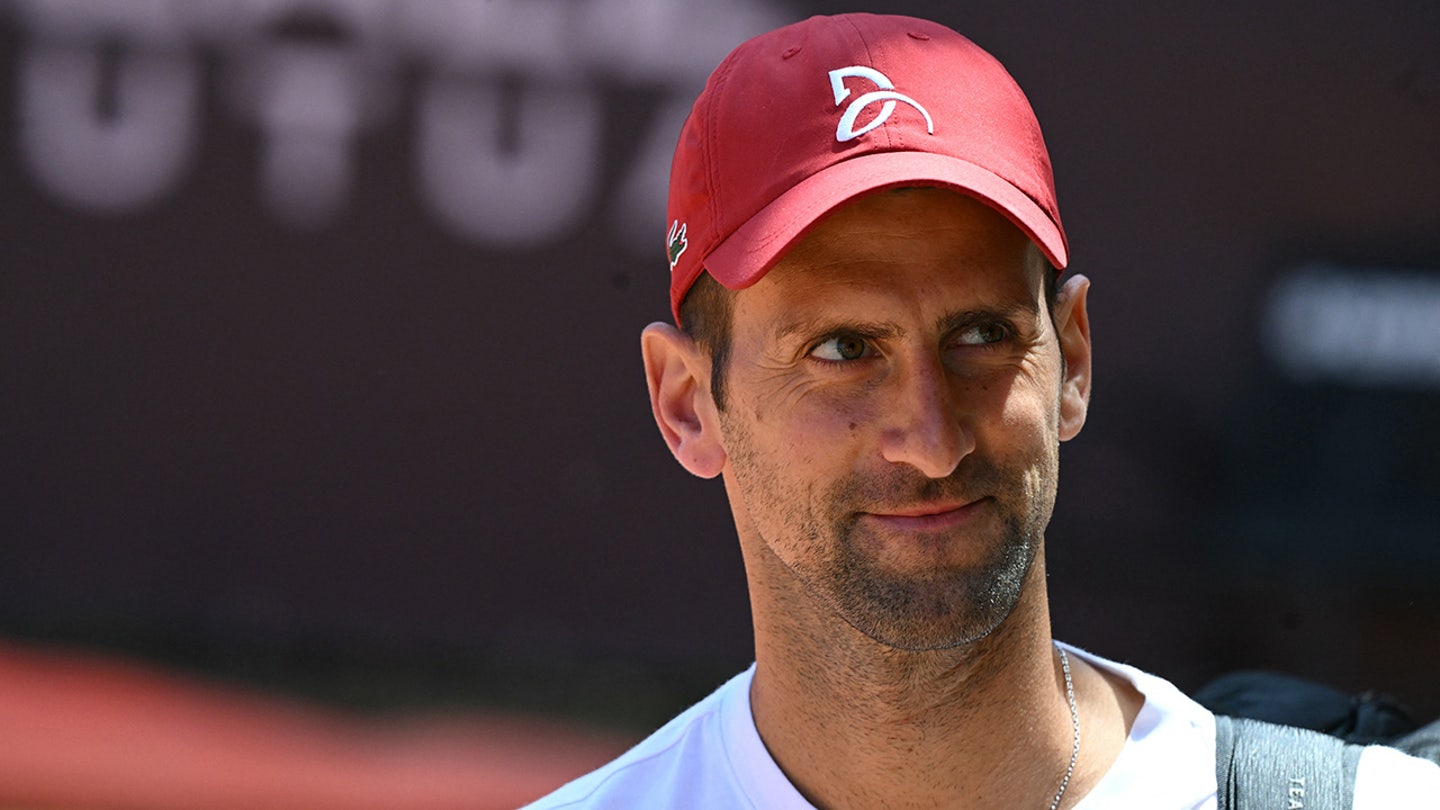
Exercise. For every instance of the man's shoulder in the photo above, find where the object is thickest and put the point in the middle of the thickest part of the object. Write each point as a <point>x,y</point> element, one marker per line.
<point>682,760</point>
<point>1168,759</point>
<point>1391,778</point>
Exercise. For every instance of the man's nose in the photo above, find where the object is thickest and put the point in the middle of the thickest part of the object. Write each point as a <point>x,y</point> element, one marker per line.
<point>924,426</point>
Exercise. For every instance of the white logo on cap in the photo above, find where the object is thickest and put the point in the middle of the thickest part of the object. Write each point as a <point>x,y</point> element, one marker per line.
<point>846,131</point>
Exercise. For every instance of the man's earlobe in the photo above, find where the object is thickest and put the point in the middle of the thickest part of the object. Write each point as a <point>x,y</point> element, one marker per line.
<point>1072,321</point>
<point>676,371</point>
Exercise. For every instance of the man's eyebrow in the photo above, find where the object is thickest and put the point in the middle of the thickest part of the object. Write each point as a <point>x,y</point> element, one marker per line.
<point>1010,312</point>
<point>813,327</point>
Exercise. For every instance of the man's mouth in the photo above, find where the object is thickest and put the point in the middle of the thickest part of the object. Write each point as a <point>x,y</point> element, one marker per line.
<point>932,516</point>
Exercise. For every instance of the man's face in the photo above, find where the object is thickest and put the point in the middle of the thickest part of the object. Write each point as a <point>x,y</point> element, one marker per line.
<point>894,415</point>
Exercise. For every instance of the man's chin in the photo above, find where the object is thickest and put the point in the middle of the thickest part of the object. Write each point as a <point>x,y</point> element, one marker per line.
<point>932,607</point>
<point>931,638</point>
<point>918,619</point>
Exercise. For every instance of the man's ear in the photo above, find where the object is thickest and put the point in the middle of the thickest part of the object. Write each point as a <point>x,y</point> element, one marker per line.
<point>1072,322</point>
<point>678,373</point>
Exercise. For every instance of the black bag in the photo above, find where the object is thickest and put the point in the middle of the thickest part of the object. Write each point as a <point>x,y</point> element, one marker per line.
<point>1283,742</point>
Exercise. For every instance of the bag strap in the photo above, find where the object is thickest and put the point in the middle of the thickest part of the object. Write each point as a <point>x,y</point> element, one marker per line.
<point>1423,742</point>
<point>1262,766</point>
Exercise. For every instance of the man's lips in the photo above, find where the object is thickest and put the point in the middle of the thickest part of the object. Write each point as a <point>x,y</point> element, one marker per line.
<point>928,516</point>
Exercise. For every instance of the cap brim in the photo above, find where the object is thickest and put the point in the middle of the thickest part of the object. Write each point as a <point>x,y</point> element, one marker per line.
<point>748,253</point>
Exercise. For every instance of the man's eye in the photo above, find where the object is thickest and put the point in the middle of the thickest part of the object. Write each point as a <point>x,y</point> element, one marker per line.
<point>841,348</point>
<point>982,334</point>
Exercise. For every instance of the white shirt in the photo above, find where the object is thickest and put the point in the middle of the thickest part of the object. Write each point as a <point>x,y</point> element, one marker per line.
<point>711,758</point>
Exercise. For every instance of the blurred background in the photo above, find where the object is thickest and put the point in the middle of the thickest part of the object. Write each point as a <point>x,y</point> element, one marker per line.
<point>324,443</point>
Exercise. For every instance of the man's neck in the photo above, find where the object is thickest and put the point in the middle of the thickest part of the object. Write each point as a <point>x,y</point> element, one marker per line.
<point>854,723</point>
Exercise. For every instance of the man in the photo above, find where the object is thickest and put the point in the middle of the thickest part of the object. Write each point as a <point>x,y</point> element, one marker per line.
<point>873,349</point>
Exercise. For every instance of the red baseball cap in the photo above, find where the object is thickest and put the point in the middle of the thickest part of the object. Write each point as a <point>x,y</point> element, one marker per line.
<point>798,121</point>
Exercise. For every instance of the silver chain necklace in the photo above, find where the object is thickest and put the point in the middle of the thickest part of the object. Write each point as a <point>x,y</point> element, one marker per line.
<point>1074,724</point>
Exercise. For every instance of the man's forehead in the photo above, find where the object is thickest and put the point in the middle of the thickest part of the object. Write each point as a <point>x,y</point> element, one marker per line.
<point>798,323</point>
<point>802,303</point>
<point>936,249</point>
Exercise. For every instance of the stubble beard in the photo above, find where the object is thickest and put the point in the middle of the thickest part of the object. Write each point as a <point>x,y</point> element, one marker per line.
<point>940,609</point>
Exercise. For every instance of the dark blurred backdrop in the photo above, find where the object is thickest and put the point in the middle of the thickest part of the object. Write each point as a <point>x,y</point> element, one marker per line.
<point>319,365</point>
